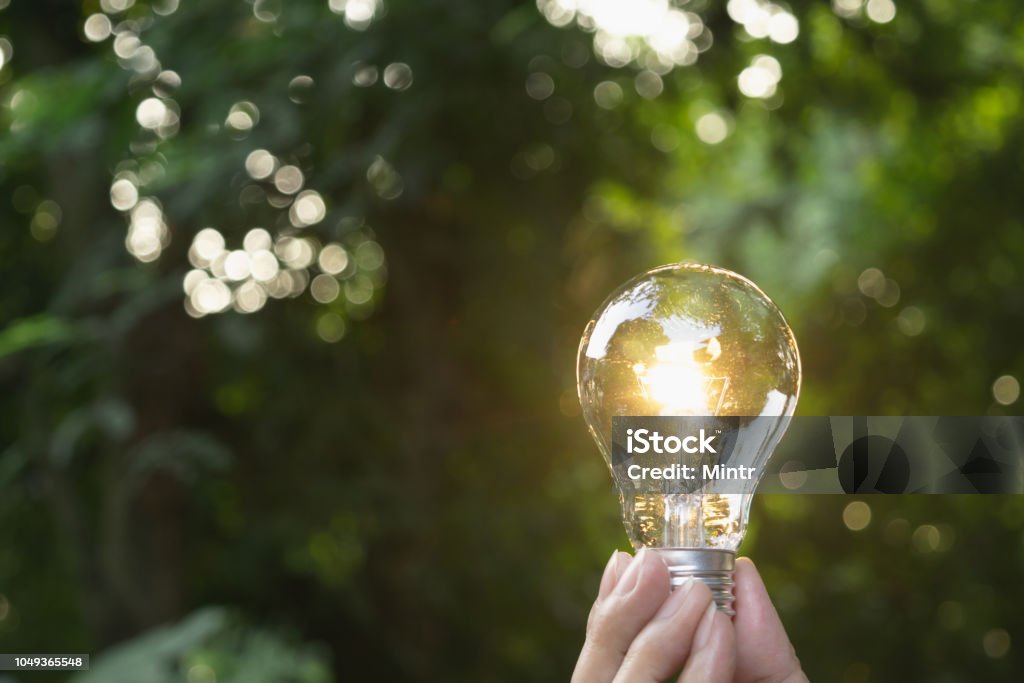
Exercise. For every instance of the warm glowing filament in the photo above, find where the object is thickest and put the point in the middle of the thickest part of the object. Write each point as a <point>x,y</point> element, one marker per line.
<point>677,384</point>
<point>678,389</point>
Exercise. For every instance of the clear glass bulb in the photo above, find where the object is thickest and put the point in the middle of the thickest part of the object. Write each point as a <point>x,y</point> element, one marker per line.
<point>691,340</point>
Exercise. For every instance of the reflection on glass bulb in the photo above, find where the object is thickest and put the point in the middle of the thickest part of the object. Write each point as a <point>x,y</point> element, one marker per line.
<point>695,341</point>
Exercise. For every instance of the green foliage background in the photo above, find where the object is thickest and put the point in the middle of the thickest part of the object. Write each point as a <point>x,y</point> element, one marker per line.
<point>420,500</point>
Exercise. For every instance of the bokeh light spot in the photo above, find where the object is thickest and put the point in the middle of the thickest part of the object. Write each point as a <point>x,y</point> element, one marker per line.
<point>608,94</point>
<point>46,220</point>
<point>299,88</point>
<point>151,113</point>
<point>648,84</point>
<point>256,239</point>
<point>165,7</point>
<point>712,128</point>
<point>857,515</point>
<point>201,673</point>
<point>260,164</point>
<point>236,265</point>
<point>847,8</point>
<point>308,209</point>
<point>330,327</point>
<point>208,244</point>
<point>911,321</point>
<point>880,11</point>
<point>539,85</point>
<point>242,116</point>
<point>193,278</point>
<point>761,19</point>
<point>263,265</point>
<point>358,14</point>
<point>385,179</point>
<point>651,33</point>
<point>126,43</point>
<point>365,75</point>
<point>333,259</point>
<point>1006,390</point>
<point>760,80</point>
<point>369,255</point>
<point>288,179</point>
<point>871,282</point>
<point>359,290</point>
<point>249,297</point>
<point>398,76</point>
<point>324,288</point>
<point>97,27</point>
<point>294,251</point>
<point>210,296</point>
<point>123,194</point>
<point>996,643</point>
<point>793,475</point>
<point>147,231</point>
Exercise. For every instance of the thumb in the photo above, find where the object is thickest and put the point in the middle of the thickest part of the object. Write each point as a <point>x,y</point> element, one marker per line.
<point>765,652</point>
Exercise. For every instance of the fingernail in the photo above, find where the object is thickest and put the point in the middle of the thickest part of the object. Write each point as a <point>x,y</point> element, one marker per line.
<point>620,564</point>
<point>704,630</point>
<point>612,572</point>
<point>676,600</point>
<point>608,576</point>
<point>629,579</point>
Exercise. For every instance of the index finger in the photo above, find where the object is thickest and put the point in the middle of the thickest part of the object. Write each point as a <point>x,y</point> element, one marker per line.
<point>620,616</point>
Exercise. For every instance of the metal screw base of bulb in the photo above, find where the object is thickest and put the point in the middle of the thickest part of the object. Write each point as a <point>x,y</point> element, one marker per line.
<point>713,567</point>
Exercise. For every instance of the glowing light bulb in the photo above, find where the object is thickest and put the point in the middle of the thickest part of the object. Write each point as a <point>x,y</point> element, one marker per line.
<point>705,344</point>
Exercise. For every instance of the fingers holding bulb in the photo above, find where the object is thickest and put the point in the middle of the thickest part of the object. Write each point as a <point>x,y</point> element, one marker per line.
<point>617,565</point>
<point>664,645</point>
<point>713,659</point>
<point>767,653</point>
<point>613,571</point>
<point>620,616</point>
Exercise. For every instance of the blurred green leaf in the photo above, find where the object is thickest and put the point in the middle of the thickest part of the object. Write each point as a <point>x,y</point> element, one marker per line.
<point>32,332</point>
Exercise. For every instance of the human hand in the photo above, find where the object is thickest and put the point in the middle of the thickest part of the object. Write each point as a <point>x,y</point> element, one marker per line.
<point>639,630</point>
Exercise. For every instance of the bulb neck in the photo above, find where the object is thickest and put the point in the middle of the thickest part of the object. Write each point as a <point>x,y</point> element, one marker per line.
<point>712,566</point>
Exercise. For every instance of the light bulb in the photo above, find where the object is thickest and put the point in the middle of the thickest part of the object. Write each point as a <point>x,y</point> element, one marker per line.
<point>701,343</point>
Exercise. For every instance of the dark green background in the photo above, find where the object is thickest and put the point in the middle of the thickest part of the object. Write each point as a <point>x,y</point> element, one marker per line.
<point>420,500</point>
